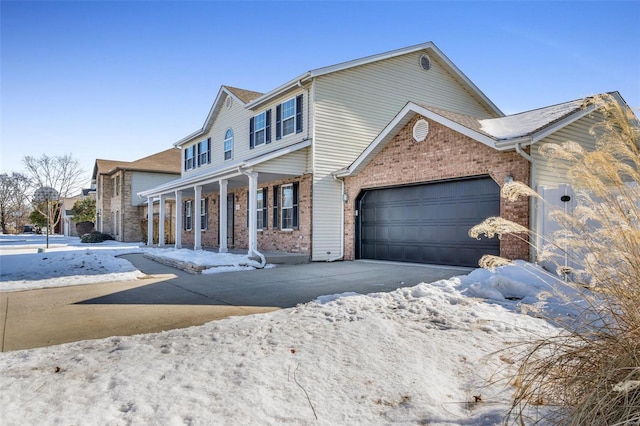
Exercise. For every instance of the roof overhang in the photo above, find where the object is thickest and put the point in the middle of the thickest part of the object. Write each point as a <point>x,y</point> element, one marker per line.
<point>226,171</point>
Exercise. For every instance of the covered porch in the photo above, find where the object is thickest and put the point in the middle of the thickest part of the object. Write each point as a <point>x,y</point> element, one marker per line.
<point>216,185</point>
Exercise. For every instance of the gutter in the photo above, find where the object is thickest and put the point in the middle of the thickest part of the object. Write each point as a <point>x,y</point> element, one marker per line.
<point>341,255</point>
<point>533,202</point>
<point>296,82</point>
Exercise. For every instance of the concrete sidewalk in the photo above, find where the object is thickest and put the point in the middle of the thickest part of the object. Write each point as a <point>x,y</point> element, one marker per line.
<point>170,298</point>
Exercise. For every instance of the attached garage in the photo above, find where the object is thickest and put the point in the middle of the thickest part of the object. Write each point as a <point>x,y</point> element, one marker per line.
<point>427,223</point>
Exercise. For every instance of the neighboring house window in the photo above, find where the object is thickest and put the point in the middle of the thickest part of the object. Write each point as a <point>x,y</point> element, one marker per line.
<point>189,157</point>
<point>204,152</point>
<point>204,212</point>
<point>289,206</point>
<point>188,209</point>
<point>260,129</point>
<point>228,144</point>
<point>289,117</point>
<point>116,185</point>
<point>116,222</point>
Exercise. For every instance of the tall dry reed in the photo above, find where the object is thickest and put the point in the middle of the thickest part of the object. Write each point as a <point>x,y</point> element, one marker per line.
<point>591,371</point>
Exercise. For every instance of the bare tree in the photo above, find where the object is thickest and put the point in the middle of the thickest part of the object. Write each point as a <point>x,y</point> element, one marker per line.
<point>14,193</point>
<point>62,174</point>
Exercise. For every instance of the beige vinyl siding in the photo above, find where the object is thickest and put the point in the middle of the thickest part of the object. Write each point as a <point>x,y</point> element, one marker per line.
<point>352,107</point>
<point>293,164</point>
<point>551,176</point>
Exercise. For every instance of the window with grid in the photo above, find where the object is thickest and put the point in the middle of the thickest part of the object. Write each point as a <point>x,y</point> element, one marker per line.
<point>228,145</point>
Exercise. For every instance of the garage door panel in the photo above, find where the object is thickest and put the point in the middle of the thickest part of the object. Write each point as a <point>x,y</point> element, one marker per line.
<point>428,223</point>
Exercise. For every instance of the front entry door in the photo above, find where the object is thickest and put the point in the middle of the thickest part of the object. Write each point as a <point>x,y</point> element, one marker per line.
<point>230,210</point>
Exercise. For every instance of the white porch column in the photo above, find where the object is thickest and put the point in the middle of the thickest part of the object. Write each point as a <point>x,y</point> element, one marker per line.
<point>197,232</point>
<point>161,214</point>
<point>223,216</point>
<point>178,244</point>
<point>149,221</point>
<point>253,212</point>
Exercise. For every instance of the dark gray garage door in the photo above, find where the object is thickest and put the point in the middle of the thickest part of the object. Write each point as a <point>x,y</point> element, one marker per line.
<point>427,223</point>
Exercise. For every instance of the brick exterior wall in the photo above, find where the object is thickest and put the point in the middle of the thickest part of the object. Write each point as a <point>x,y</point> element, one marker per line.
<point>269,239</point>
<point>445,154</point>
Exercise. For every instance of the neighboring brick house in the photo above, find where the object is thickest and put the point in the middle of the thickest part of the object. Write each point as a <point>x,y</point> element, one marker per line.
<point>393,156</point>
<point>120,211</point>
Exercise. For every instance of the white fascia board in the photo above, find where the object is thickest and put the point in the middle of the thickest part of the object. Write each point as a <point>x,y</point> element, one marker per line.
<point>369,59</point>
<point>466,80</point>
<point>209,176</point>
<point>278,91</point>
<point>215,107</point>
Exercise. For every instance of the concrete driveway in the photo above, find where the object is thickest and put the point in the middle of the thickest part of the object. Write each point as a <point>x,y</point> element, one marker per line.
<point>169,298</point>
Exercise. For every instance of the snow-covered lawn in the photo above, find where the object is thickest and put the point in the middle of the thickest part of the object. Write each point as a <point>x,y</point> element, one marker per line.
<point>437,353</point>
<point>67,261</point>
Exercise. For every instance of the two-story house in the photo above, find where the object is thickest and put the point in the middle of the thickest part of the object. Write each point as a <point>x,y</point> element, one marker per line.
<point>120,210</point>
<point>392,156</point>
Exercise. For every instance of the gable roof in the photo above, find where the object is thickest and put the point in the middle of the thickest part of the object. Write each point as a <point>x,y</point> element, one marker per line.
<point>430,46</point>
<point>253,99</point>
<point>241,95</point>
<point>502,133</point>
<point>167,161</point>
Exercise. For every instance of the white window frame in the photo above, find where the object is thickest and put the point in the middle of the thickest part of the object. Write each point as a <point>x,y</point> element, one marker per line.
<point>204,213</point>
<point>260,206</point>
<point>203,152</point>
<point>262,131</point>
<point>228,145</point>
<point>190,159</point>
<point>291,118</point>
<point>284,208</point>
<point>188,222</point>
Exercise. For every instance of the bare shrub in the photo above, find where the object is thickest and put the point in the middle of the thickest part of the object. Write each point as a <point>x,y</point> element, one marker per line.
<point>591,371</point>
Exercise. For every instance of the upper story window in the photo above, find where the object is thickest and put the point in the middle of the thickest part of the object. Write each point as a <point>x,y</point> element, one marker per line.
<point>289,117</point>
<point>228,144</point>
<point>204,152</point>
<point>197,155</point>
<point>260,129</point>
<point>189,157</point>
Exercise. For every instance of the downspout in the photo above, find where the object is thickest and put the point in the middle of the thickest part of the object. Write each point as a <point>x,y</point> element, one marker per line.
<point>341,255</point>
<point>533,204</point>
<point>263,260</point>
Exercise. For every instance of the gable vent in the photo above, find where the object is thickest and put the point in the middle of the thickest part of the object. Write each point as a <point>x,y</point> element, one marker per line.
<point>425,62</point>
<point>420,130</point>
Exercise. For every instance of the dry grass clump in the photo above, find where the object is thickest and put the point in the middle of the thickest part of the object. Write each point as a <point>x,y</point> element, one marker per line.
<point>591,372</point>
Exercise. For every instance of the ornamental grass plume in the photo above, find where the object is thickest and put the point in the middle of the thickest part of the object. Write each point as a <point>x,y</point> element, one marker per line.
<point>591,371</point>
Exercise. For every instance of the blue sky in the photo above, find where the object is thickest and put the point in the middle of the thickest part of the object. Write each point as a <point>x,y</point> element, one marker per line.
<point>122,80</point>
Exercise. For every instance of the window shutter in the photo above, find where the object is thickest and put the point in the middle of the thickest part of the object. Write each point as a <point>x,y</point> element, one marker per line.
<point>278,122</point>
<point>276,224</point>
<point>252,135</point>
<point>267,130</point>
<point>185,158</point>
<point>209,150</point>
<point>295,205</point>
<point>299,114</point>
<point>247,209</point>
<point>184,215</point>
